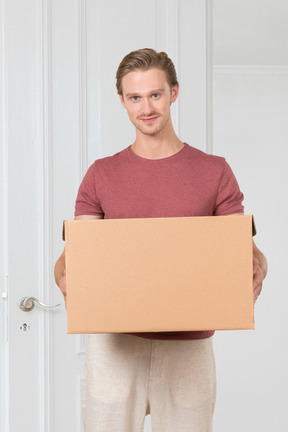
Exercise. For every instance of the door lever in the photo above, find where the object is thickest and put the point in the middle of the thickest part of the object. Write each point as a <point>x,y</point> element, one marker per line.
<point>28,303</point>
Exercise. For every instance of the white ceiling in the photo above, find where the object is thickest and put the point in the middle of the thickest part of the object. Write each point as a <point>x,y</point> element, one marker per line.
<point>250,32</point>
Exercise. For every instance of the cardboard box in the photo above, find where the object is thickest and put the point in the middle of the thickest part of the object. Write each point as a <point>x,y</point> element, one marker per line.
<point>160,274</point>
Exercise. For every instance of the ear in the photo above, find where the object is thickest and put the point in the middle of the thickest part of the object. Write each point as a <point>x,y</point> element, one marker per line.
<point>174,93</point>
<point>122,101</point>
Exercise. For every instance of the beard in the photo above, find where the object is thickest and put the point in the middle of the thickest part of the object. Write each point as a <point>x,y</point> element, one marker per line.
<point>153,128</point>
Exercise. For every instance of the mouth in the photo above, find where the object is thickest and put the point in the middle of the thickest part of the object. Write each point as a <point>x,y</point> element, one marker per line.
<point>149,120</point>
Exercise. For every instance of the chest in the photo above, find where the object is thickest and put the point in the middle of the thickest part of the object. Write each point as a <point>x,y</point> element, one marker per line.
<point>157,193</point>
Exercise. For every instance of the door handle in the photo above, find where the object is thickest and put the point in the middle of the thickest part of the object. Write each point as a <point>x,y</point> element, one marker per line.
<point>28,303</point>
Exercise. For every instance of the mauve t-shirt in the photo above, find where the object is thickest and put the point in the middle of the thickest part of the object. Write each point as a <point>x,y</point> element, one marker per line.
<point>188,183</point>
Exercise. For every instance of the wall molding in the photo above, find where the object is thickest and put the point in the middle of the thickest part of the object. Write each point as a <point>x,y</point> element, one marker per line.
<point>167,30</point>
<point>167,39</point>
<point>251,69</point>
<point>209,76</point>
<point>4,233</point>
<point>82,46</point>
<point>82,97</point>
<point>81,344</point>
<point>79,387</point>
<point>45,242</point>
<point>98,84</point>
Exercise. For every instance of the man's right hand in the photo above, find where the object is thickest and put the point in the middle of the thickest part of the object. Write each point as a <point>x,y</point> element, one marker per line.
<point>60,270</point>
<point>60,274</point>
<point>62,285</point>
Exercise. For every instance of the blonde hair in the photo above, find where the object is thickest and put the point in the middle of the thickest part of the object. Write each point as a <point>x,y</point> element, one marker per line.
<point>144,59</point>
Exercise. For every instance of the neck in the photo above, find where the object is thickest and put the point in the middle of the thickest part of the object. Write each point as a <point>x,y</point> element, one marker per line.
<point>158,146</point>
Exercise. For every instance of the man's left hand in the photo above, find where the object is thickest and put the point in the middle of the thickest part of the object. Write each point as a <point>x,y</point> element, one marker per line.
<point>258,278</point>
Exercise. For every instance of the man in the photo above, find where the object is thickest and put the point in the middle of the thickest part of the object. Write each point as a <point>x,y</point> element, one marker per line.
<point>171,375</point>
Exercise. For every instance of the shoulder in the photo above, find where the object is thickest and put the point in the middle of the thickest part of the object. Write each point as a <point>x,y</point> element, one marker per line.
<point>109,162</point>
<point>198,154</point>
<point>205,160</point>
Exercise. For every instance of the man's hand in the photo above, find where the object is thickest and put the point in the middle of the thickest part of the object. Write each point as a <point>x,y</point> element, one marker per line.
<point>258,278</point>
<point>60,274</point>
<point>60,269</point>
<point>62,285</point>
<point>259,271</point>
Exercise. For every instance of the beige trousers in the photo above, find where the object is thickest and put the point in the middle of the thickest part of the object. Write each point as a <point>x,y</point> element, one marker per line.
<point>127,377</point>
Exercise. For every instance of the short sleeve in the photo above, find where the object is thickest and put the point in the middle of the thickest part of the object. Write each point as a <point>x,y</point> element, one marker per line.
<point>229,197</point>
<point>87,201</point>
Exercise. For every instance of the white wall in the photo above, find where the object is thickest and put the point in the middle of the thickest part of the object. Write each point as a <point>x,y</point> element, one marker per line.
<point>250,32</point>
<point>251,131</point>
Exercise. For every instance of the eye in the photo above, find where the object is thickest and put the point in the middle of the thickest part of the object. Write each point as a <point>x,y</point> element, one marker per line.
<point>134,98</point>
<point>156,96</point>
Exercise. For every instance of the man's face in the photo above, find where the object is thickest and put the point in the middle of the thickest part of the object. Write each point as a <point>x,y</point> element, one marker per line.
<point>147,98</point>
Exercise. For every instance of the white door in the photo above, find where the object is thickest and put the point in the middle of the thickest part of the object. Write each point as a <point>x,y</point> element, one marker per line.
<point>59,112</point>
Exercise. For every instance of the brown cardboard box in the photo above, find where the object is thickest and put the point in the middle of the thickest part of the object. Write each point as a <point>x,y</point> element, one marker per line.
<point>160,274</point>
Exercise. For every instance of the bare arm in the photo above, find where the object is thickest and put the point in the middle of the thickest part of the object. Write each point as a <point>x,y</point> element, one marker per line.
<point>59,269</point>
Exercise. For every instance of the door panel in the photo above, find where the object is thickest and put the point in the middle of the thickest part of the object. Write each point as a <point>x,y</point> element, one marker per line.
<point>59,112</point>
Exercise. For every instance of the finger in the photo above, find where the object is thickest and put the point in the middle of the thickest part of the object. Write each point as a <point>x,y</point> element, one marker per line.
<point>256,291</point>
<point>62,286</point>
<point>255,266</point>
<point>256,281</point>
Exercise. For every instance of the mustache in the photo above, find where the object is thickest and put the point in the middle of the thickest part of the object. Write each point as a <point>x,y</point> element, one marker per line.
<point>151,115</point>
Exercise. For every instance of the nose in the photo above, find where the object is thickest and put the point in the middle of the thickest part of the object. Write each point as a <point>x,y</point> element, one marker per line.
<point>147,106</point>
